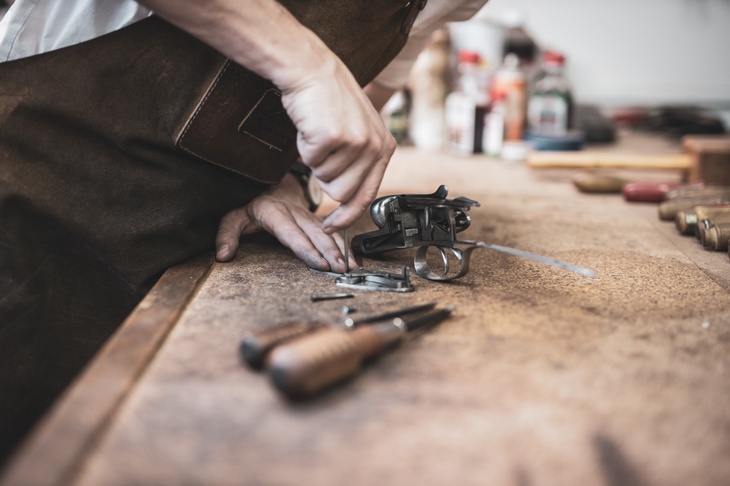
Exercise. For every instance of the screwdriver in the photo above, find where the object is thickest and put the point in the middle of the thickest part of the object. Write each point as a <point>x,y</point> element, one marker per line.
<point>307,365</point>
<point>256,345</point>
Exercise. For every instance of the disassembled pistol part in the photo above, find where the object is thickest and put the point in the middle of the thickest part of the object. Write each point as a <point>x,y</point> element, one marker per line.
<point>341,295</point>
<point>372,280</point>
<point>346,310</point>
<point>431,220</point>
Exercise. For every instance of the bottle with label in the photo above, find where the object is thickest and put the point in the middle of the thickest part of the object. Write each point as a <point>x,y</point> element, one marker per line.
<point>511,83</point>
<point>494,127</point>
<point>467,105</point>
<point>550,107</point>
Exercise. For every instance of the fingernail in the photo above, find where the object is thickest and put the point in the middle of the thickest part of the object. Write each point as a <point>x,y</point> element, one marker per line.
<point>222,252</point>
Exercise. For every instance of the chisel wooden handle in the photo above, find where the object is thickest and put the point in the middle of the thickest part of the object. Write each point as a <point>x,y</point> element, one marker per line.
<point>256,345</point>
<point>311,363</point>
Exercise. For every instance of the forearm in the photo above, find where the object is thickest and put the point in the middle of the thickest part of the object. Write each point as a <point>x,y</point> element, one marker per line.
<point>260,35</point>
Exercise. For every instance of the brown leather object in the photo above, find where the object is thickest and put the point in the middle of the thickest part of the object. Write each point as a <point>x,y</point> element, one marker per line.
<point>229,129</point>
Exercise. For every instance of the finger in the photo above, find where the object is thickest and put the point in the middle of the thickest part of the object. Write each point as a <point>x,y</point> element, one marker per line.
<point>281,223</point>
<point>330,247</point>
<point>229,233</point>
<point>344,160</point>
<point>350,210</point>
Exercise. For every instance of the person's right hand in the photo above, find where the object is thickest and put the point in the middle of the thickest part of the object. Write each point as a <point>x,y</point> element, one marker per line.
<point>341,137</point>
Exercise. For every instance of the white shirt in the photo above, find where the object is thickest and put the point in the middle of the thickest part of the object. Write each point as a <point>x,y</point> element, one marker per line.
<point>34,26</point>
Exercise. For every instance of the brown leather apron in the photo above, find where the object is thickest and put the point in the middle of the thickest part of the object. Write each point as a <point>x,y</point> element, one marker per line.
<point>118,157</point>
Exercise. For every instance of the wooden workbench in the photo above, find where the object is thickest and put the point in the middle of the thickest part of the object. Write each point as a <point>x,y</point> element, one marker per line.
<point>541,377</point>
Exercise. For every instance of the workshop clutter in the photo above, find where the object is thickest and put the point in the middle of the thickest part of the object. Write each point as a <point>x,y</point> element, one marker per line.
<point>703,212</point>
<point>486,87</point>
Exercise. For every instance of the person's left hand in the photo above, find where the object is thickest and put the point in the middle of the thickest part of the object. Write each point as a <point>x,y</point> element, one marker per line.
<point>283,212</point>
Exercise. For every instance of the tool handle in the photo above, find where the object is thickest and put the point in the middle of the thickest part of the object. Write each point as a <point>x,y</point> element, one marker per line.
<point>256,345</point>
<point>311,363</point>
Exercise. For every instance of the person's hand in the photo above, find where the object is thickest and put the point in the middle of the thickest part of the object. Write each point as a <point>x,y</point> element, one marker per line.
<point>341,137</point>
<point>283,212</point>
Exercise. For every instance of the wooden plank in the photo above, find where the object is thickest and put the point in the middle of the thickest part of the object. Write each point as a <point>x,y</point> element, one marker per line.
<point>587,159</point>
<point>55,452</point>
<point>539,377</point>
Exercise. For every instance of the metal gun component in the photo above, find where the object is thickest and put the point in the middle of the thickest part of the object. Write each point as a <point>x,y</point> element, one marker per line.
<point>463,258</point>
<point>372,280</point>
<point>405,221</point>
<point>431,220</point>
<point>340,295</point>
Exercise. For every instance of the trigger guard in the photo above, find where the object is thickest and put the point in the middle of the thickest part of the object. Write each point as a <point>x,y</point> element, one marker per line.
<point>424,271</point>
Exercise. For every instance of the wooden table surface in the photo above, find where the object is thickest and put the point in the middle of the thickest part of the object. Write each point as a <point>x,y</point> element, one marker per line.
<point>541,377</point>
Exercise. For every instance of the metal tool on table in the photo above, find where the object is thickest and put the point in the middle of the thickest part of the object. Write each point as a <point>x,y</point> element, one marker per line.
<point>308,365</point>
<point>256,345</point>
<point>431,221</point>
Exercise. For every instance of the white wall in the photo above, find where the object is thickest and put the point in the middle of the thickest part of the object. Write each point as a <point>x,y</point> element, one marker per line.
<point>635,51</point>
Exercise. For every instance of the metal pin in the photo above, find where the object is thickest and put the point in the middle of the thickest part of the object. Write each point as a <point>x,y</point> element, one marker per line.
<point>318,297</point>
<point>347,252</point>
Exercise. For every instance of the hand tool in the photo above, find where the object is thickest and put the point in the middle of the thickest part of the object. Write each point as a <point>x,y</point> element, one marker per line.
<point>431,220</point>
<point>256,345</point>
<point>306,366</point>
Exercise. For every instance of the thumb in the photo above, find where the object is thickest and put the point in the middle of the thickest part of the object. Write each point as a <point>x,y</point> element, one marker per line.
<point>230,229</point>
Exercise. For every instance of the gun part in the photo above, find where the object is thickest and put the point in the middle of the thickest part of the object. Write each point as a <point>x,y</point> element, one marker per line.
<point>335,296</point>
<point>312,363</point>
<point>256,345</point>
<point>431,220</point>
<point>372,280</point>
<point>463,259</point>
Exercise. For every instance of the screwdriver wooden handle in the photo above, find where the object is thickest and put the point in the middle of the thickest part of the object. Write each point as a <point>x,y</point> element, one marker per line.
<point>311,363</point>
<point>256,345</point>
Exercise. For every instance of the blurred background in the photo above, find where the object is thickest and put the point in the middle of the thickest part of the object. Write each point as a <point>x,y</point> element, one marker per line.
<point>656,65</point>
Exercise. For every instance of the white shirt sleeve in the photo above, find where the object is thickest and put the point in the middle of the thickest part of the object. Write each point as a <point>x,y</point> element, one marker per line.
<point>436,14</point>
<point>31,27</point>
